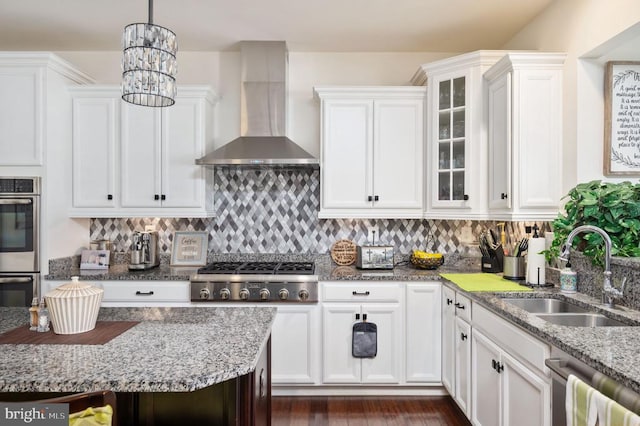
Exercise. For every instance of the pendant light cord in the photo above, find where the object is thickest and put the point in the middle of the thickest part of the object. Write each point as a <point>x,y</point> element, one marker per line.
<point>151,12</point>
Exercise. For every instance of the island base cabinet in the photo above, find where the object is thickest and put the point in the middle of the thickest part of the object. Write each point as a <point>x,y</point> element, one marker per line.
<point>245,401</point>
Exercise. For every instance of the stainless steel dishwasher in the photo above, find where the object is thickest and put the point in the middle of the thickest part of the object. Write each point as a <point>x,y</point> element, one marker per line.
<point>561,365</point>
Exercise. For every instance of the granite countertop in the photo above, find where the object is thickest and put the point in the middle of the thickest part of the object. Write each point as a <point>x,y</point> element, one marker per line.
<point>611,350</point>
<point>170,350</point>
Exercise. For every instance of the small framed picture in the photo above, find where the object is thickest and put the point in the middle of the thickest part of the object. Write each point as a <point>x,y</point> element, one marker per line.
<point>94,259</point>
<point>189,248</point>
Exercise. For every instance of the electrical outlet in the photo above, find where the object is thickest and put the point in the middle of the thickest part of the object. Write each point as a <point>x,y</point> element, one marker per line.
<point>149,228</point>
<point>373,234</point>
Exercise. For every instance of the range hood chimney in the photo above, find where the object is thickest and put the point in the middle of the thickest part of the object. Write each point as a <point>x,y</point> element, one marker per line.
<point>263,107</point>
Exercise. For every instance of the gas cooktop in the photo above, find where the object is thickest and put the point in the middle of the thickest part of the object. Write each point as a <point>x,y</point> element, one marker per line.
<point>262,268</point>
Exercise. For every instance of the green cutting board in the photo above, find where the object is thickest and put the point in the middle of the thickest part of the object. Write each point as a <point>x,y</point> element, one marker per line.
<point>484,282</point>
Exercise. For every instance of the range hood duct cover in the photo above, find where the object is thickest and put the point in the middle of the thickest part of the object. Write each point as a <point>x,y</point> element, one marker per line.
<point>263,106</point>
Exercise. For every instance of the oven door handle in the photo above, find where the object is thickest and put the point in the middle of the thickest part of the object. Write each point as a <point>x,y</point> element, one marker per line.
<point>16,201</point>
<point>15,280</point>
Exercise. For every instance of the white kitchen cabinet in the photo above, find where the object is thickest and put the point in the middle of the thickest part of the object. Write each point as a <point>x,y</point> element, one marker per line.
<point>371,157</point>
<point>456,347</point>
<point>135,293</point>
<point>456,139</point>
<point>30,104</point>
<point>95,128</point>
<point>295,345</point>
<point>423,333</point>
<point>510,383</point>
<point>525,135</point>
<point>343,305</point>
<point>154,151</point>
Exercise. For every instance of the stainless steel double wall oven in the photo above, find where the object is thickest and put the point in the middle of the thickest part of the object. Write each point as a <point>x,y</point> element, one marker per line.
<point>19,240</point>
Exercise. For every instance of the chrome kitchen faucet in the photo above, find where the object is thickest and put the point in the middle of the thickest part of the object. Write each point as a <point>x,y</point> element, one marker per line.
<point>609,292</point>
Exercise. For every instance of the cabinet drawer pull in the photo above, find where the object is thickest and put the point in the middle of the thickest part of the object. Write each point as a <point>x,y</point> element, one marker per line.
<point>463,336</point>
<point>144,293</point>
<point>361,293</point>
<point>459,306</point>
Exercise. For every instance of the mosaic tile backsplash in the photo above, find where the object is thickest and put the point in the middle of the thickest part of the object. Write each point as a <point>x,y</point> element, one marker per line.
<point>275,210</point>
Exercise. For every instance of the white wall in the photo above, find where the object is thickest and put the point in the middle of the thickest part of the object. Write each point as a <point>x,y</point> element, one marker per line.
<point>221,70</point>
<point>580,28</point>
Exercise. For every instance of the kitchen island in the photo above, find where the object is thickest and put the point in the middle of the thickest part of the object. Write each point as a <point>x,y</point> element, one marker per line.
<point>190,362</point>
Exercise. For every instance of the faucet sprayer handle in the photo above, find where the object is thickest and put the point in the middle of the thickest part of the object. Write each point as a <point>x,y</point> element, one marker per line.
<point>624,283</point>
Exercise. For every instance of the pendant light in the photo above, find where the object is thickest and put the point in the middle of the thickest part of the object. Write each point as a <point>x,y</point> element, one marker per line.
<point>149,64</point>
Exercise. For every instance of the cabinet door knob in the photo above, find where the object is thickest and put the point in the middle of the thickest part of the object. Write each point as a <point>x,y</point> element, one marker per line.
<point>364,317</point>
<point>109,197</point>
<point>465,197</point>
<point>463,336</point>
<point>156,197</point>
<point>163,197</point>
<point>357,316</point>
<point>494,364</point>
<point>503,196</point>
<point>499,367</point>
<point>459,305</point>
<point>376,198</point>
<point>449,301</point>
<point>369,198</point>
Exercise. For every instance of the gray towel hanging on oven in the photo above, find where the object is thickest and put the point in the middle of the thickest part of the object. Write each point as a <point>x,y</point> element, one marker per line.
<point>365,340</point>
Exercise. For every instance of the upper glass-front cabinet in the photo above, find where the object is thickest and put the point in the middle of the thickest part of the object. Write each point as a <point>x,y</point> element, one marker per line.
<point>451,139</point>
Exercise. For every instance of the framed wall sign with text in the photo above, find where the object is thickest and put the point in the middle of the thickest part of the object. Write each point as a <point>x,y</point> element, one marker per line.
<point>622,119</point>
<point>189,248</point>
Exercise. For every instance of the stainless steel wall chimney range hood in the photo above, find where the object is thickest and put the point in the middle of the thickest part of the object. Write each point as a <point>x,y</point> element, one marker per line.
<point>263,106</point>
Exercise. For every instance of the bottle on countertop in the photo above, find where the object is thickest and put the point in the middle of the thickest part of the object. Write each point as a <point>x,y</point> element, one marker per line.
<point>43,317</point>
<point>33,315</point>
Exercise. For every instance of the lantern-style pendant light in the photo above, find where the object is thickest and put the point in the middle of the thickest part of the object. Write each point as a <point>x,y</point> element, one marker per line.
<point>149,64</point>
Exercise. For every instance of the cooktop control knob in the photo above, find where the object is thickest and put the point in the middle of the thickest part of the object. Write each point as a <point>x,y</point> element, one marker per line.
<point>264,294</point>
<point>204,293</point>
<point>244,294</point>
<point>225,294</point>
<point>283,294</point>
<point>303,294</point>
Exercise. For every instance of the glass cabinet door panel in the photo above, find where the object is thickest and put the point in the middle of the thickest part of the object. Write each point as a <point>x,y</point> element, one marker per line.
<point>458,92</point>
<point>458,155</point>
<point>445,94</point>
<point>444,186</point>
<point>458,185</point>
<point>444,156</point>
<point>458,124</point>
<point>444,125</point>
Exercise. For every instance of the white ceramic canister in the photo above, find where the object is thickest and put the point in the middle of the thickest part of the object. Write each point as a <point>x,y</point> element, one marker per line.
<point>74,307</point>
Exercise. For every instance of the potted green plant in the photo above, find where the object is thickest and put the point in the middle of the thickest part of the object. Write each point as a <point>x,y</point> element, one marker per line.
<point>614,207</point>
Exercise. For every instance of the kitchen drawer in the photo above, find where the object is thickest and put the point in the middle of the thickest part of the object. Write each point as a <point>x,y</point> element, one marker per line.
<point>463,307</point>
<point>518,343</point>
<point>359,291</point>
<point>146,291</point>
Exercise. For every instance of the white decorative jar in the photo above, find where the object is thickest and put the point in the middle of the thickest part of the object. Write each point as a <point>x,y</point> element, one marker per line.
<point>74,307</point>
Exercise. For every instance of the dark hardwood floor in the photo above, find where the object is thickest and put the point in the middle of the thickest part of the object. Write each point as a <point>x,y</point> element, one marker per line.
<point>366,411</point>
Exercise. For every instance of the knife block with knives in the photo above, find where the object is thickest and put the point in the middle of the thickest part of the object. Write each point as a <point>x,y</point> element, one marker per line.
<point>492,253</point>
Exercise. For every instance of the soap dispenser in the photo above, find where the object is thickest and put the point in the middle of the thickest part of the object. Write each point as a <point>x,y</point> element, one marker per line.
<point>568,280</point>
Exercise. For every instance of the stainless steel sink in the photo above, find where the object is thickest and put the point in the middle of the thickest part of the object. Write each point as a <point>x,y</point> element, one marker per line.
<point>581,320</point>
<point>545,306</point>
<point>562,312</point>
